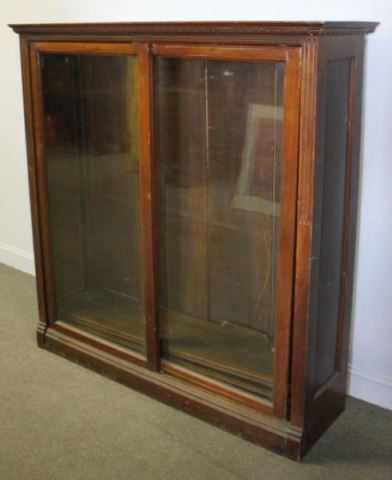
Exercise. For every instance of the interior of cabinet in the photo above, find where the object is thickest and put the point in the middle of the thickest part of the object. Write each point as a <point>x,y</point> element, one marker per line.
<point>92,158</point>
<point>218,133</point>
<point>218,151</point>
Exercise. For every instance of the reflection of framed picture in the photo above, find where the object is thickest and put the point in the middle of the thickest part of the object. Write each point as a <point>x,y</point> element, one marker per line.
<point>260,170</point>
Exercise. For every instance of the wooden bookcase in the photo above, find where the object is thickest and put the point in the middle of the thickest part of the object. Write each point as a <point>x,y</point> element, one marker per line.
<point>194,194</point>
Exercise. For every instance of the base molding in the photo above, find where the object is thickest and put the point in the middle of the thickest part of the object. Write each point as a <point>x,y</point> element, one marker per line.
<point>272,433</point>
<point>371,388</point>
<point>17,258</point>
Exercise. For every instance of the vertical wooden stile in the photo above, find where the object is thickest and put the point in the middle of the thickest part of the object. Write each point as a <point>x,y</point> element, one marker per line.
<point>147,181</point>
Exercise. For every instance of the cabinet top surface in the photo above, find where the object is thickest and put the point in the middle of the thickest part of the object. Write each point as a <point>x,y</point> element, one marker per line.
<point>197,28</point>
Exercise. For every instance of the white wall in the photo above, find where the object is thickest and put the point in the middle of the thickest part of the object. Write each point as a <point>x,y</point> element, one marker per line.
<point>371,373</point>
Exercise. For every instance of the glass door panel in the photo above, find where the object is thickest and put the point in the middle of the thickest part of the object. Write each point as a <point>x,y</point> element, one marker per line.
<point>219,140</point>
<point>92,163</point>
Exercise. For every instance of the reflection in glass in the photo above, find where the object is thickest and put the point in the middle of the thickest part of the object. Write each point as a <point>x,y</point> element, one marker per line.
<point>91,154</point>
<point>219,148</point>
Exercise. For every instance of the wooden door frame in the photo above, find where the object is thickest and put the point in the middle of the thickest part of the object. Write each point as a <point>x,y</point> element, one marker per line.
<point>41,183</point>
<point>291,57</point>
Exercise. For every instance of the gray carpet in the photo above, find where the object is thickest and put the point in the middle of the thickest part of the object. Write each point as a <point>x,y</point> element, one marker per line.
<point>61,421</point>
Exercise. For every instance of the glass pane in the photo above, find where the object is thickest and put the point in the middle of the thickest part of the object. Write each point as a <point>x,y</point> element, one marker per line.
<point>92,159</point>
<point>219,150</point>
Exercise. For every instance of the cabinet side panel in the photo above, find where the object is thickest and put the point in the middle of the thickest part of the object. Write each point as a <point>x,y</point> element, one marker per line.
<point>333,209</point>
<point>334,226</point>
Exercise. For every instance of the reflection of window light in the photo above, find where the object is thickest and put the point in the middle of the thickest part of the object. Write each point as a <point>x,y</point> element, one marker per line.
<point>228,73</point>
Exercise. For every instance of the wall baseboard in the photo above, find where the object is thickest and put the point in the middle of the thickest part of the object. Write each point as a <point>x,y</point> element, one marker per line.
<point>17,258</point>
<point>374,389</point>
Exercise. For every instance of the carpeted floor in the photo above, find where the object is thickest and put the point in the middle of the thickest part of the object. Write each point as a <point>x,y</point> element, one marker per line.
<point>61,421</point>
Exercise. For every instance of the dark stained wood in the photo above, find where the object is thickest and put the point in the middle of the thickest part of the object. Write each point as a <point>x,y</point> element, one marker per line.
<point>303,259</point>
<point>106,346</point>
<point>239,54</point>
<point>42,186</point>
<point>220,388</point>
<point>350,209</point>
<point>147,190</point>
<point>199,28</point>
<point>86,48</point>
<point>34,201</point>
<point>327,401</point>
<point>275,434</point>
<point>287,232</point>
<point>310,370</point>
<point>316,405</point>
<point>335,188</point>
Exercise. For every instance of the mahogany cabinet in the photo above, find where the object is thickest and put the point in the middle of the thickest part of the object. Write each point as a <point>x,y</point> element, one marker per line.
<point>194,197</point>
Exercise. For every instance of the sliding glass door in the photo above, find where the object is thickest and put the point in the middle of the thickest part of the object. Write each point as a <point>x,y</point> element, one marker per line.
<point>220,123</point>
<point>219,154</point>
<point>167,187</point>
<point>91,162</point>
